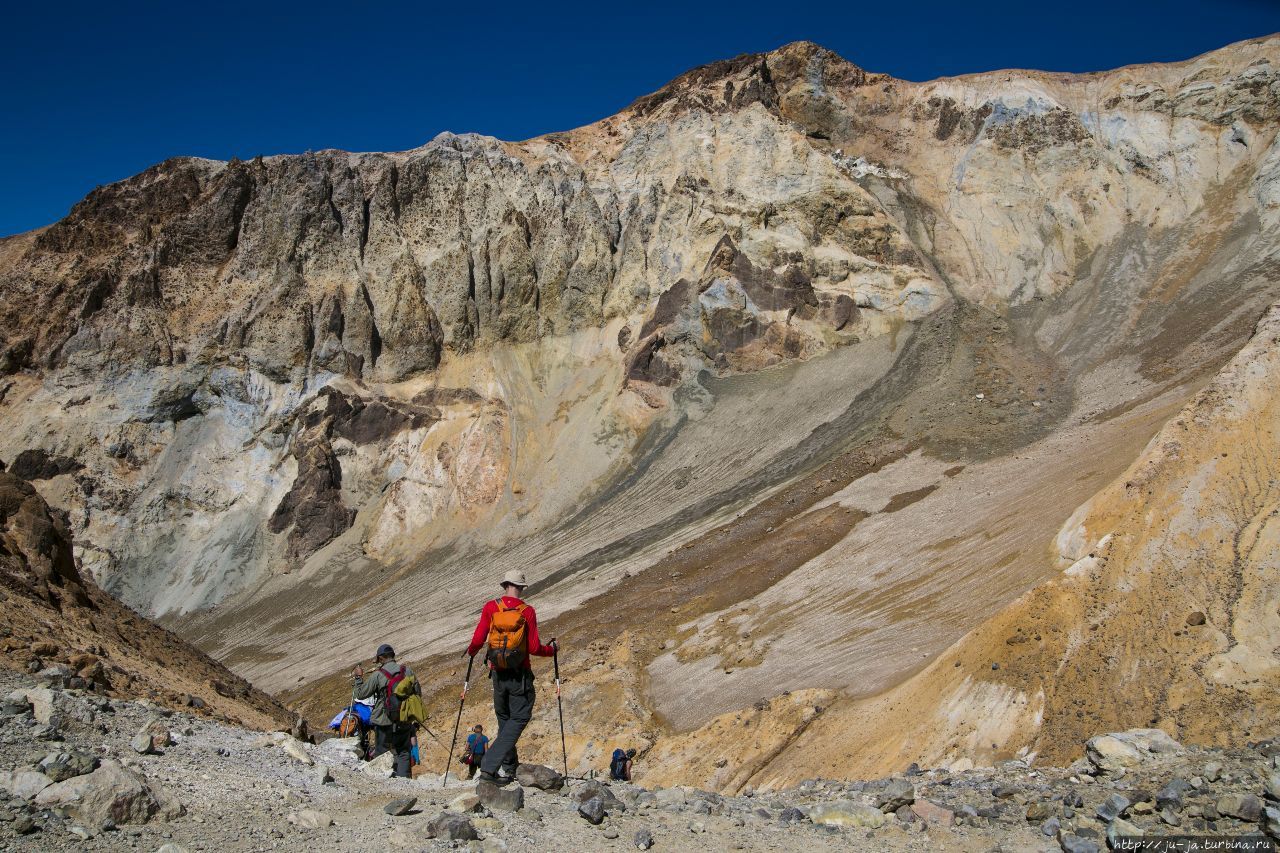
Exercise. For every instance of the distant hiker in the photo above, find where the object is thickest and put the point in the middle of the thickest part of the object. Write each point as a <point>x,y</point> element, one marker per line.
<point>620,765</point>
<point>397,703</point>
<point>477,744</point>
<point>508,628</point>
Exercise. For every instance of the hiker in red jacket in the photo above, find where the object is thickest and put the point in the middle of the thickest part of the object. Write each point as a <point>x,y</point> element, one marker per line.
<point>509,628</point>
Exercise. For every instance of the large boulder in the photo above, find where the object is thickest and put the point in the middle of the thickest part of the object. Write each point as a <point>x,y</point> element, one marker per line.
<point>110,792</point>
<point>592,788</point>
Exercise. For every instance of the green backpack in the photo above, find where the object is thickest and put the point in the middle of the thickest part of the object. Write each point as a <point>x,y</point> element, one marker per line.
<point>410,709</point>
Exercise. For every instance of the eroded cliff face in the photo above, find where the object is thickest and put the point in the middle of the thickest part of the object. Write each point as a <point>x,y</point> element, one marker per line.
<point>785,350</point>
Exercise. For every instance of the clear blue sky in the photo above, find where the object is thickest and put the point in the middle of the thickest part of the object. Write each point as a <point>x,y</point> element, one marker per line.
<point>95,92</point>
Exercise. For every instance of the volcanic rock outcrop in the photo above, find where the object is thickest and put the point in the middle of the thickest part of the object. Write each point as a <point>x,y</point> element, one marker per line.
<point>801,367</point>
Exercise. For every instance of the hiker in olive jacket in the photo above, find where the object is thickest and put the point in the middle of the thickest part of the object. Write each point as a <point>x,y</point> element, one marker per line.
<point>389,734</point>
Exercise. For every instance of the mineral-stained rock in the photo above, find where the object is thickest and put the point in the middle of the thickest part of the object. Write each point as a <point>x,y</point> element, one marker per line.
<point>464,803</point>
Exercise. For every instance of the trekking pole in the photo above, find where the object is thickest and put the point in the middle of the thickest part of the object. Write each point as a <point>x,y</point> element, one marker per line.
<point>454,742</point>
<point>555,659</point>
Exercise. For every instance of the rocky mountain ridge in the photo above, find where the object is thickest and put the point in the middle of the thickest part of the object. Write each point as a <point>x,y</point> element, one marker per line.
<point>785,350</point>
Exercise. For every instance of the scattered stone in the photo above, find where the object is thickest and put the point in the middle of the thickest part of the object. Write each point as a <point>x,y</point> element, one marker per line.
<point>465,803</point>
<point>453,827</point>
<point>142,744</point>
<point>1170,796</point>
<point>1075,844</point>
<point>319,775</point>
<point>1212,771</point>
<point>791,815</point>
<point>380,767</point>
<point>400,807</point>
<point>846,813</point>
<point>1271,821</point>
<point>310,819</point>
<point>24,825</point>
<point>1040,811</point>
<point>611,833</point>
<point>1121,828</point>
<point>932,813</point>
<point>60,766</point>
<point>295,749</point>
<point>509,799</point>
<point>1004,792</point>
<point>540,777</point>
<point>1245,807</point>
<point>592,810</point>
<point>1195,619</point>
<point>897,794</point>
<point>643,839</point>
<point>1272,786</point>
<point>1050,827</point>
<point>1112,807</point>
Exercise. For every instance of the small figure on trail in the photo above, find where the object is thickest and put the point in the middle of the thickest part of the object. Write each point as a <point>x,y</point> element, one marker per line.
<point>508,628</point>
<point>620,765</point>
<point>397,709</point>
<point>477,744</point>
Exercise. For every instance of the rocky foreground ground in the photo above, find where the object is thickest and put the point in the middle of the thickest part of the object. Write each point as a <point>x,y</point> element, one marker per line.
<point>88,771</point>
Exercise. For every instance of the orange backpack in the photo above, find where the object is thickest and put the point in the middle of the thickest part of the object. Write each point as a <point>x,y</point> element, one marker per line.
<point>508,637</point>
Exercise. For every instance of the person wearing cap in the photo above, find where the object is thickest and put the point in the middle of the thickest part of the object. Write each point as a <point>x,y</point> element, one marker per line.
<point>513,691</point>
<point>388,735</point>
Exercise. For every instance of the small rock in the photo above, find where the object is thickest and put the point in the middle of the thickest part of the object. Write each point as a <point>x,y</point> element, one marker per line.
<point>932,813</point>
<point>24,825</point>
<point>697,827</point>
<point>1037,812</point>
<point>1245,807</point>
<point>1170,796</point>
<point>1003,792</point>
<point>141,744</point>
<point>295,750</point>
<point>319,775</point>
<point>1271,787</point>
<point>509,799</point>
<point>592,810</point>
<point>1195,619</point>
<point>539,776</point>
<point>1075,844</point>
<point>1121,828</point>
<point>1112,807</point>
<point>643,839</point>
<point>400,807</point>
<point>846,813</point>
<point>465,803</point>
<point>24,784</point>
<point>896,794</point>
<point>611,833</point>
<point>310,819</point>
<point>452,826</point>
<point>1050,827</point>
<point>791,815</point>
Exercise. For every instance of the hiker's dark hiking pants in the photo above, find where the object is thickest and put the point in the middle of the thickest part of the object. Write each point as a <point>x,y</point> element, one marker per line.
<point>398,740</point>
<point>513,706</point>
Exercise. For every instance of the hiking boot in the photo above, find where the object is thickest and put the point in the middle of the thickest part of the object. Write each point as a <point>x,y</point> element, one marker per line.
<point>494,780</point>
